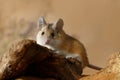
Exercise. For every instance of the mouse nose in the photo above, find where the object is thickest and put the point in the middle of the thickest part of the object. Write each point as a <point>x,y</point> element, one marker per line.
<point>47,41</point>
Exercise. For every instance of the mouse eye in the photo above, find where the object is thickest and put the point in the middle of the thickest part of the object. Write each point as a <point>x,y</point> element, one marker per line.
<point>52,34</point>
<point>42,33</point>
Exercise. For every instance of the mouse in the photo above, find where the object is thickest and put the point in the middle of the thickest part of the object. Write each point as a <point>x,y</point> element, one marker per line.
<point>52,36</point>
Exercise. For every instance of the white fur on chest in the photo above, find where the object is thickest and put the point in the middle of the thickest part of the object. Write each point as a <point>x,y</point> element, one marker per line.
<point>67,54</point>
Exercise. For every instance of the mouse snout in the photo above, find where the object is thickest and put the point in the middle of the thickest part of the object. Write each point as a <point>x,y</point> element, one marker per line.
<point>47,41</point>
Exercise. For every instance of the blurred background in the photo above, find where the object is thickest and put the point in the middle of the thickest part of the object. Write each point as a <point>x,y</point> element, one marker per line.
<point>96,23</point>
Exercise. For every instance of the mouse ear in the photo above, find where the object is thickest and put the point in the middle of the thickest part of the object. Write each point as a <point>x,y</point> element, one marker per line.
<point>58,25</point>
<point>41,22</point>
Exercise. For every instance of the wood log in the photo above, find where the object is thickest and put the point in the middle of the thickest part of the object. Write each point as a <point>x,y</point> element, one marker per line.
<point>110,72</point>
<point>26,58</point>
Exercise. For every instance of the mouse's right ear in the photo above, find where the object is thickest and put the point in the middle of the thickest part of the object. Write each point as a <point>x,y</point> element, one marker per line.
<point>41,22</point>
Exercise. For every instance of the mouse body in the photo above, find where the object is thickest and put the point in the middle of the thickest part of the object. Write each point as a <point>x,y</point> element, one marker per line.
<point>52,36</point>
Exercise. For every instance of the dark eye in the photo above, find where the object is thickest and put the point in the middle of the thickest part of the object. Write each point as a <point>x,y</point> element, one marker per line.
<point>52,34</point>
<point>42,33</point>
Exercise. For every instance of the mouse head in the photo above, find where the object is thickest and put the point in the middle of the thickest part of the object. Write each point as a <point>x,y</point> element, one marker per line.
<point>50,33</point>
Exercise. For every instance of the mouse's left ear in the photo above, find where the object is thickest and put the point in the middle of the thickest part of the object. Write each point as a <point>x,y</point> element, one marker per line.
<point>41,22</point>
<point>58,25</point>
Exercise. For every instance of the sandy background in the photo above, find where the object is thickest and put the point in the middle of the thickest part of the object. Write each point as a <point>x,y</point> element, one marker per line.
<point>96,23</point>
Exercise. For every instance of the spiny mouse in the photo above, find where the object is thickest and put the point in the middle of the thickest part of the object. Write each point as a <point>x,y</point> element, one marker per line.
<point>52,36</point>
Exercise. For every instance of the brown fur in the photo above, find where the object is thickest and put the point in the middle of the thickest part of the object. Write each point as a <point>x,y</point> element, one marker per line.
<point>62,42</point>
<point>72,45</point>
